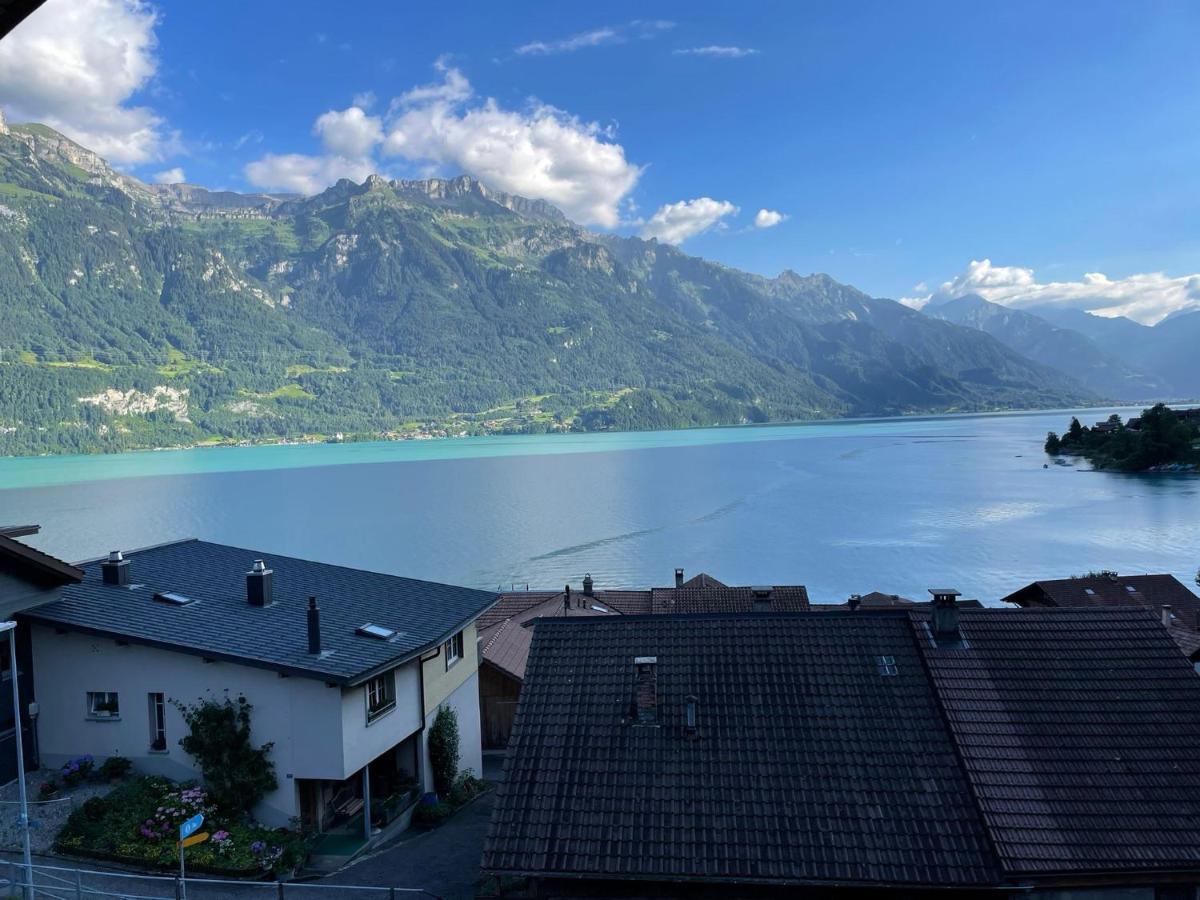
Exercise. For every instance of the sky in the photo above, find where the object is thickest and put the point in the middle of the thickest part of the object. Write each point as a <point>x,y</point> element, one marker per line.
<point>1030,152</point>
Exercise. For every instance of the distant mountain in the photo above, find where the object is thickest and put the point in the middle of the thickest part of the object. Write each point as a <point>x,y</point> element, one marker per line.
<point>1066,349</point>
<point>1170,350</point>
<point>137,315</point>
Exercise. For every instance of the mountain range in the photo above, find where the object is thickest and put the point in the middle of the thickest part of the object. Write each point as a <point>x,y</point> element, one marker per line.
<point>137,315</point>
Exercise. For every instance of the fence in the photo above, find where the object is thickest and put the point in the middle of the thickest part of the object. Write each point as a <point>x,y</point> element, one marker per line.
<point>62,883</point>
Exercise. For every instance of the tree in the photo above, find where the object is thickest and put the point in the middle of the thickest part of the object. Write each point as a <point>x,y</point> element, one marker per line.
<point>1053,444</point>
<point>443,750</point>
<point>237,774</point>
<point>1075,432</point>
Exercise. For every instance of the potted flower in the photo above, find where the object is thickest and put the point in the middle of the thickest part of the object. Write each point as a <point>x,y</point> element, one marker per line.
<point>48,790</point>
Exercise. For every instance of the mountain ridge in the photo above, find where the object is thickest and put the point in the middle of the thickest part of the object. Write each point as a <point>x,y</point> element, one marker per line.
<point>409,308</point>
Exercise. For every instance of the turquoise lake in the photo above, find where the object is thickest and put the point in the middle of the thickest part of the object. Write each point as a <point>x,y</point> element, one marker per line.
<point>896,505</point>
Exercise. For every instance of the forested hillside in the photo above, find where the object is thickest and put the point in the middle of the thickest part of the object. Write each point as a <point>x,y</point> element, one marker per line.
<point>135,316</point>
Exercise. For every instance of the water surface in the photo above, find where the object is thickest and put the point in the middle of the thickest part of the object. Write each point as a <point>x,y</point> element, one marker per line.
<point>896,505</point>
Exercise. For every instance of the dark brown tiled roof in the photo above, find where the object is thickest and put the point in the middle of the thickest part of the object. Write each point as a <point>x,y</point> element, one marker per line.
<point>1078,729</point>
<point>506,645</point>
<point>703,580</point>
<point>23,559</point>
<point>783,598</point>
<point>1186,640</point>
<point>518,602</point>
<point>1153,591</point>
<point>809,764</point>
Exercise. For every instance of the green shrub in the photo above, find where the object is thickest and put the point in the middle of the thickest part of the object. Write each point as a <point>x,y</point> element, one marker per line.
<point>236,773</point>
<point>432,813</point>
<point>115,767</point>
<point>465,788</point>
<point>443,750</point>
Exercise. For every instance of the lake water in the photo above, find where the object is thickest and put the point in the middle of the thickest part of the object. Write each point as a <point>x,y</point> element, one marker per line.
<point>895,505</point>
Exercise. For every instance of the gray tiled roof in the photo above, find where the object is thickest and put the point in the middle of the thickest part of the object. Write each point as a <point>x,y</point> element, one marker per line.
<point>1078,729</point>
<point>809,763</point>
<point>223,625</point>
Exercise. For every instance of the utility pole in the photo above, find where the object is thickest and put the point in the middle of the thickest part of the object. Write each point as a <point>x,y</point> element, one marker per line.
<point>27,881</point>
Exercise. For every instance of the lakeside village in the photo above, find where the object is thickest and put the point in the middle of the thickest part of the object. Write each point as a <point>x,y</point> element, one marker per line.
<point>698,739</point>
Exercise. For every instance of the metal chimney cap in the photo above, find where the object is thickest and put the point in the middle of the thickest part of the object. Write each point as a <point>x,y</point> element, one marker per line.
<point>115,556</point>
<point>259,566</point>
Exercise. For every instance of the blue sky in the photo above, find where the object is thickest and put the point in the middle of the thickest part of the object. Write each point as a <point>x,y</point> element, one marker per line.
<point>900,142</point>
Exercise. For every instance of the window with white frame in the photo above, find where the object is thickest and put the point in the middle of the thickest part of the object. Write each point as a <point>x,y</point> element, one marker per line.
<point>453,649</point>
<point>103,705</point>
<point>381,695</point>
<point>158,722</point>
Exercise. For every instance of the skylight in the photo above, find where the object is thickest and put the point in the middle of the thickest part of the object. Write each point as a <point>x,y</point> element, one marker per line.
<point>887,665</point>
<point>173,598</point>
<point>376,631</point>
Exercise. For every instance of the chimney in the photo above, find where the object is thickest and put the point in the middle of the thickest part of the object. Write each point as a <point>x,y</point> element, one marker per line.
<point>314,627</point>
<point>854,602</point>
<point>566,599</point>
<point>645,690</point>
<point>1166,615</point>
<point>679,578</point>
<point>945,615</point>
<point>689,722</point>
<point>587,586</point>
<point>259,587</point>
<point>115,569</point>
<point>762,598</point>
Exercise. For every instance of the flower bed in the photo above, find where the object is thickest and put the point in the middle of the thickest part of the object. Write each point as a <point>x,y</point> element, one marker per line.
<point>138,823</point>
<point>432,811</point>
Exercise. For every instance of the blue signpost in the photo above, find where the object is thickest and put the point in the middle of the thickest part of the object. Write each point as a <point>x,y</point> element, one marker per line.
<point>186,830</point>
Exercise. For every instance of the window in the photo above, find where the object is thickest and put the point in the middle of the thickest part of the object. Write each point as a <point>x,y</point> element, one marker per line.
<point>103,705</point>
<point>887,665</point>
<point>158,722</point>
<point>453,649</point>
<point>381,696</point>
<point>376,631</point>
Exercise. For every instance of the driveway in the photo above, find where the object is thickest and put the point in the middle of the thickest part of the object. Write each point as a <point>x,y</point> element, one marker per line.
<point>444,861</point>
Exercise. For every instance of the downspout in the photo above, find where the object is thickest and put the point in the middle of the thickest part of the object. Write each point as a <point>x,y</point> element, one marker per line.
<point>421,660</point>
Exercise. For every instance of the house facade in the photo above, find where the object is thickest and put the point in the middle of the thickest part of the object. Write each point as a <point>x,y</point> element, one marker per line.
<point>28,578</point>
<point>344,670</point>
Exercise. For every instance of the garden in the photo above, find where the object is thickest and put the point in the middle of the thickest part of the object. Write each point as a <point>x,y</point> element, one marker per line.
<point>138,821</point>
<point>452,789</point>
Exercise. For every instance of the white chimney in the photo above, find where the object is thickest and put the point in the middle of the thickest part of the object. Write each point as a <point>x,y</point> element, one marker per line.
<point>1166,615</point>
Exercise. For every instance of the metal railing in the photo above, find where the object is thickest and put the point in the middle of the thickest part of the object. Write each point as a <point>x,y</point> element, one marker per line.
<point>64,883</point>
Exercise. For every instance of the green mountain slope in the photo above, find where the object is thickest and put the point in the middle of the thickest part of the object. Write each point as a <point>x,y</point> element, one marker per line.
<point>134,315</point>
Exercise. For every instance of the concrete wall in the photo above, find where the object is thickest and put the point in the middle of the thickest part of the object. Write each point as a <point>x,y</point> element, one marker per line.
<point>318,731</point>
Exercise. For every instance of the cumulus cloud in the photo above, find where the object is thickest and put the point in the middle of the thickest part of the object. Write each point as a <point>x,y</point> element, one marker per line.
<point>170,176</point>
<point>674,223</point>
<point>719,51</point>
<point>608,34</point>
<point>364,100</point>
<point>1147,298</point>
<point>538,151</point>
<point>768,218</point>
<point>299,174</point>
<point>350,133</point>
<point>75,65</point>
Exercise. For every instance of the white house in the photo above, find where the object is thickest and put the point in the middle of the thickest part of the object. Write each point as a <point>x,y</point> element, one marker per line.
<point>345,670</point>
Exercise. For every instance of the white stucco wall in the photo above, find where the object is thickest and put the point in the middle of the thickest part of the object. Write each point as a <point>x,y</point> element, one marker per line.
<point>318,731</point>
<point>465,702</point>
<point>361,742</point>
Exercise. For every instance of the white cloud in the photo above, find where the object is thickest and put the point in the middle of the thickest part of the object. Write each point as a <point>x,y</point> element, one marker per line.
<point>364,100</point>
<point>75,65</point>
<point>350,133</point>
<point>538,152</point>
<point>1147,298</point>
<point>768,218</point>
<point>299,174</point>
<point>170,176</point>
<point>608,34</point>
<point>674,223</point>
<point>721,52</point>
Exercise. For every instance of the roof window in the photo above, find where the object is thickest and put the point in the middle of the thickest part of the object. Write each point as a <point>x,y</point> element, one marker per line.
<point>887,665</point>
<point>173,598</point>
<point>1131,588</point>
<point>1089,592</point>
<point>375,631</point>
